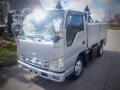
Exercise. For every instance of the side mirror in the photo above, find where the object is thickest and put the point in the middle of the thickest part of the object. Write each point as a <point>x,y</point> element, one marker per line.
<point>57,25</point>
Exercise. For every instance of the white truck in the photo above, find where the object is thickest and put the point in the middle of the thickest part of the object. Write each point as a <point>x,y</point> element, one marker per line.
<point>57,43</point>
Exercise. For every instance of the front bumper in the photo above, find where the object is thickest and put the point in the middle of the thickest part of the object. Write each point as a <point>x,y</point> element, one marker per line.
<point>59,77</point>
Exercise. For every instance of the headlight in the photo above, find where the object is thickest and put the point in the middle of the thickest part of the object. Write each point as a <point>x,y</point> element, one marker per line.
<point>56,65</point>
<point>60,65</point>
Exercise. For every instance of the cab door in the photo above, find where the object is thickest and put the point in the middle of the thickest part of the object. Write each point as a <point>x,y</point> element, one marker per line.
<point>76,37</point>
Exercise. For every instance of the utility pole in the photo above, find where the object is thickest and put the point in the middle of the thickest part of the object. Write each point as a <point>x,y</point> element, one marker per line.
<point>89,14</point>
<point>59,5</point>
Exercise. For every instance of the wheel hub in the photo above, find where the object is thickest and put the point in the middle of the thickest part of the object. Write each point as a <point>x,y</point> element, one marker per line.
<point>101,50</point>
<point>78,68</point>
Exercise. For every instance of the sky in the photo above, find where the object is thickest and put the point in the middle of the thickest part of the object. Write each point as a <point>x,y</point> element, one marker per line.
<point>99,8</point>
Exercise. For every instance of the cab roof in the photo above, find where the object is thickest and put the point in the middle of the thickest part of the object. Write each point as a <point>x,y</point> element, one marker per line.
<point>68,11</point>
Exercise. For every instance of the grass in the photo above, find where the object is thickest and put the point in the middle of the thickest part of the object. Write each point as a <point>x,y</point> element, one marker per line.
<point>7,55</point>
<point>114,27</point>
<point>11,47</point>
<point>8,52</point>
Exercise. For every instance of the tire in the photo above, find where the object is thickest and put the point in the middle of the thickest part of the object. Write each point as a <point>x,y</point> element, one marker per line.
<point>91,54</point>
<point>78,69</point>
<point>100,50</point>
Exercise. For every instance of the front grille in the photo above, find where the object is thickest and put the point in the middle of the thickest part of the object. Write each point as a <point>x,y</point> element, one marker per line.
<point>34,62</point>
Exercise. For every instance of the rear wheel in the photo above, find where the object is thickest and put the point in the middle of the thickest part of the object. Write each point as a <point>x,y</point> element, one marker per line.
<point>78,68</point>
<point>91,54</point>
<point>100,50</point>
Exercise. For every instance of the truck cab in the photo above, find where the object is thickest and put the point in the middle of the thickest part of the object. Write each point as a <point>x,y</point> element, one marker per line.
<point>53,44</point>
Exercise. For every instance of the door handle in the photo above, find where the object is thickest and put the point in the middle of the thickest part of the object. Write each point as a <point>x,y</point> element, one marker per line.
<point>83,42</point>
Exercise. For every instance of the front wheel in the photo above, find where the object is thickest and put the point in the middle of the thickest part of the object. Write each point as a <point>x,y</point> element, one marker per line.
<point>78,69</point>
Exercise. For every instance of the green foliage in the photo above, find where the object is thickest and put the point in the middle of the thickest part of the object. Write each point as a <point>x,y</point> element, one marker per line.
<point>11,47</point>
<point>10,39</point>
<point>9,51</point>
<point>6,54</point>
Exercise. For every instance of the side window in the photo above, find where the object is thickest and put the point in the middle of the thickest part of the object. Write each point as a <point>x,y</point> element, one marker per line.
<point>74,25</point>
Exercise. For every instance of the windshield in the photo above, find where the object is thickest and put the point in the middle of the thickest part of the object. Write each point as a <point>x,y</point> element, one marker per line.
<point>40,25</point>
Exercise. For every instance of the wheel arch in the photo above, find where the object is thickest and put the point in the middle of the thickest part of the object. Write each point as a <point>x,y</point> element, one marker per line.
<point>103,41</point>
<point>84,60</point>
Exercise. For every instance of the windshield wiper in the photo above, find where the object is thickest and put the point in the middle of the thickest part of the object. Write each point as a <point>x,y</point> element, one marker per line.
<point>30,36</point>
<point>36,38</point>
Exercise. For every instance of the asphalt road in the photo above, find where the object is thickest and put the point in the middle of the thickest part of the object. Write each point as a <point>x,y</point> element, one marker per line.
<point>101,74</point>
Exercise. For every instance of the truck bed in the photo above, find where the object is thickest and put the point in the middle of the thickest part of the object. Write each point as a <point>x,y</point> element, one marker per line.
<point>96,33</point>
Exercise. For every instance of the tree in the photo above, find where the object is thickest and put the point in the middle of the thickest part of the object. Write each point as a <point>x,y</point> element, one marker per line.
<point>1,13</point>
<point>117,19</point>
<point>4,8</point>
<point>1,18</point>
<point>108,17</point>
<point>89,14</point>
